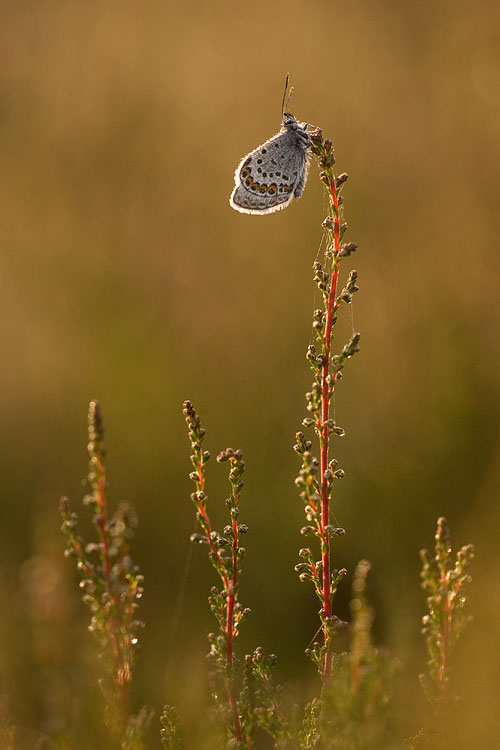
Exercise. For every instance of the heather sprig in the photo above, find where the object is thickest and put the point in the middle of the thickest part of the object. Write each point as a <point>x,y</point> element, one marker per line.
<point>444,578</point>
<point>169,733</point>
<point>318,475</point>
<point>112,585</point>
<point>260,698</point>
<point>225,554</point>
<point>255,703</point>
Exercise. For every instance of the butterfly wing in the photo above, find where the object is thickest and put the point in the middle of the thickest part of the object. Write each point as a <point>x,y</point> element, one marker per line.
<point>269,177</point>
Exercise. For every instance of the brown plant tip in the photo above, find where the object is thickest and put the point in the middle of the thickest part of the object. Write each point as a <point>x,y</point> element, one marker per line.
<point>188,410</point>
<point>95,416</point>
<point>228,454</point>
<point>316,136</point>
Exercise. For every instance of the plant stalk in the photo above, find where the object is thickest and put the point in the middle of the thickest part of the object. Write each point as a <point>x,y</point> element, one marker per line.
<point>325,412</point>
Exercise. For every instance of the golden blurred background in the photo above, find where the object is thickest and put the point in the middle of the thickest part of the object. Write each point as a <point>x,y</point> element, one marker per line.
<point>125,276</point>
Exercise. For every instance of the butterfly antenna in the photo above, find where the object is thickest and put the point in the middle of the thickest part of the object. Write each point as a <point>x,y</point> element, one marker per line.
<point>284,103</point>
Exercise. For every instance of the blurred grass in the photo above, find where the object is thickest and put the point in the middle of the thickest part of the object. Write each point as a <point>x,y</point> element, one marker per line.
<point>125,276</point>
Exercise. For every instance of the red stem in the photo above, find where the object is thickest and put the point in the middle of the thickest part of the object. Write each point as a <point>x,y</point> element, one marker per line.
<point>325,411</point>
<point>206,519</point>
<point>229,624</point>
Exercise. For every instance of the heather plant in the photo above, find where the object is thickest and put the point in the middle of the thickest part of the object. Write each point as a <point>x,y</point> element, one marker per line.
<point>444,579</point>
<point>252,703</point>
<point>112,587</point>
<point>318,475</point>
<point>169,732</point>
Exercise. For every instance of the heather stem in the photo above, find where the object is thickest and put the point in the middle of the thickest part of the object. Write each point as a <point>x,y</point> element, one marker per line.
<point>325,412</point>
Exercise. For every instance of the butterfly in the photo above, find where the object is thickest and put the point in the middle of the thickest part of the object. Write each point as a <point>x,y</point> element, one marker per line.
<point>268,178</point>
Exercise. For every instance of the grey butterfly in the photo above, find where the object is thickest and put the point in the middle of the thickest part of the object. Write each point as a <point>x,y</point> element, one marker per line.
<point>268,178</point>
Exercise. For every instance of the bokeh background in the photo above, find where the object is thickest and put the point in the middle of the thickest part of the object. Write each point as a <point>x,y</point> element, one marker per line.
<point>125,276</point>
